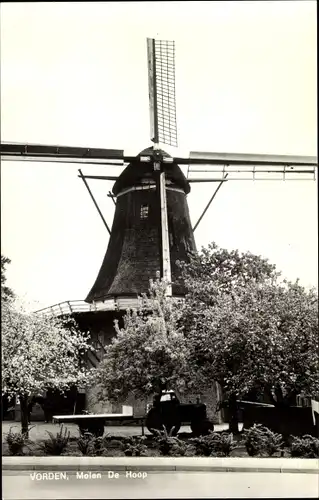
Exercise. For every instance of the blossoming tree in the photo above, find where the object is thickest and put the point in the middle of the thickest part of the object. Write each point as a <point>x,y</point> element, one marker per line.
<point>248,329</point>
<point>148,354</point>
<point>40,353</point>
<point>6,292</point>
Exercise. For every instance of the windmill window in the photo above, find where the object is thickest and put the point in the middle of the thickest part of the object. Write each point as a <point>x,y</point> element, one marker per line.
<point>144,212</point>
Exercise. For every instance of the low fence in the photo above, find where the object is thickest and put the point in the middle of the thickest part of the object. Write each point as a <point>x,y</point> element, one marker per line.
<point>295,420</point>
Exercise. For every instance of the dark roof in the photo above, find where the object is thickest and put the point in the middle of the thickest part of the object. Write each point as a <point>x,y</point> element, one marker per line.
<point>137,170</point>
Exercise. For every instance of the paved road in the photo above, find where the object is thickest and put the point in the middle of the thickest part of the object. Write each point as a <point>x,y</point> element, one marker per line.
<point>39,429</point>
<point>161,485</point>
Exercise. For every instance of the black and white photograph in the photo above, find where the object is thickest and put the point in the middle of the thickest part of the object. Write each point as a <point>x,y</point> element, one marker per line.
<point>159,256</point>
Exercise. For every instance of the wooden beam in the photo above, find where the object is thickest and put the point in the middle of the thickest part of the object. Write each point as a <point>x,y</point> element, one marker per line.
<point>209,203</point>
<point>94,201</point>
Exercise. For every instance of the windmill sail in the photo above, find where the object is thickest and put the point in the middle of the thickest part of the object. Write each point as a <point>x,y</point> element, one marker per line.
<point>239,166</point>
<point>162,100</point>
<point>161,78</point>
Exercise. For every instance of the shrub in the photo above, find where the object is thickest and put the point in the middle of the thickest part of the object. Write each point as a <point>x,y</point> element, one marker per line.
<point>260,440</point>
<point>97,446</point>
<point>178,447</point>
<point>306,446</point>
<point>255,440</point>
<point>110,441</point>
<point>114,443</point>
<point>203,445</point>
<point>90,445</point>
<point>16,441</point>
<point>274,442</point>
<point>86,444</point>
<point>169,445</point>
<point>214,444</point>
<point>133,446</point>
<point>56,445</point>
<point>223,444</point>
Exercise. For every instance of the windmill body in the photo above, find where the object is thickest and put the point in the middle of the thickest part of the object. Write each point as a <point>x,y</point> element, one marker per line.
<point>133,254</point>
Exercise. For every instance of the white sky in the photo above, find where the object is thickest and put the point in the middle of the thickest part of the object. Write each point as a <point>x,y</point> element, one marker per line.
<point>76,74</point>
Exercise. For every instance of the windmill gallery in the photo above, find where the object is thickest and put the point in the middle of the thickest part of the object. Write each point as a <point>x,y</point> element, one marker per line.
<point>151,227</point>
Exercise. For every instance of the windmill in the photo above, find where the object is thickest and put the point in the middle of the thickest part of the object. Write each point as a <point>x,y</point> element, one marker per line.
<point>150,197</point>
<point>155,172</point>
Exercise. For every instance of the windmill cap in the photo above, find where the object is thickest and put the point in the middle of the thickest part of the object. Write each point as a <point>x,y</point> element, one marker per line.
<point>137,170</point>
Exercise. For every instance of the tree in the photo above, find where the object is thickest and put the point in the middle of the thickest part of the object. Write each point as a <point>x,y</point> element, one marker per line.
<point>40,353</point>
<point>247,330</point>
<point>148,354</point>
<point>6,292</point>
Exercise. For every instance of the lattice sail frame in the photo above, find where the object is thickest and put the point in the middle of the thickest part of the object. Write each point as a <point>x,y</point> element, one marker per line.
<point>206,167</point>
<point>162,95</point>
